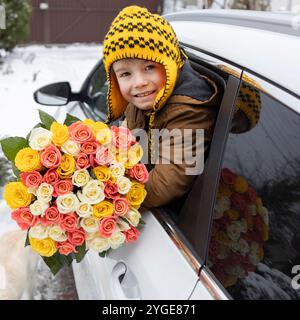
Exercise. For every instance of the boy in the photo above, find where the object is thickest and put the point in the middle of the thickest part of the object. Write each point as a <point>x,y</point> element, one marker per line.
<point>151,82</point>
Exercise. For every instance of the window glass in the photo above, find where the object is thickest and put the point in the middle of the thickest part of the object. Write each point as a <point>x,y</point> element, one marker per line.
<point>255,237</point>
<point>97,91</point>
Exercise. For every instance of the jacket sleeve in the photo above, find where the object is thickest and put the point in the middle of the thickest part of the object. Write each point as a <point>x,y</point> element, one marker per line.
<point>170,181</point>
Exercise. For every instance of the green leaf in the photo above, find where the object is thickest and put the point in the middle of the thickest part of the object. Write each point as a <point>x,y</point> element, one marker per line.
<point>39,125</point>
<point>103,253</point>
<point>66,259</point>
<point>27,243</point>
<point>11,146</point>
<point>81,253</point>
<point>142,223</point>
<point>54,263</point>
<point>46,119</point>
<point>70,119</point>
<point>15,170</point>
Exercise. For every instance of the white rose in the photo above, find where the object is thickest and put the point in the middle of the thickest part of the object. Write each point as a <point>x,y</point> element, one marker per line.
<point>122,225</point>
<point>253,254</point>
<point>57,234</point>
<point>243,247</point>
<point>243,224</point>
<point>67,203</point>
<point>222,205</point>
<point>116,239</point>
<point>224,252</point>
<point>124,185</point>
<point>237,271</point>
<point>98,244</point>
<point>38,208</point>
<point>263,211</point>
<point>84,210</point>
<point>133,217</point>
<point>117,169</point>
<point>80,178</point>
<point>40,138</point>
<point>32,190</point>
<point>92,192</point>
<point>39,232</point>
<point>90,224</point>
<point>251,209</point>
<point>234,231</point>
<point>234,246</point>
<point>44,192</point>
<point>71,147</point>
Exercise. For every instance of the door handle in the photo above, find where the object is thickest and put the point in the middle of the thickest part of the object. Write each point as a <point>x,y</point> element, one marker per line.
<point>124,283</point>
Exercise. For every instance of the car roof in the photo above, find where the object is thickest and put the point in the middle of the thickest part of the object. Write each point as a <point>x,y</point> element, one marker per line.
<point>265,43</point>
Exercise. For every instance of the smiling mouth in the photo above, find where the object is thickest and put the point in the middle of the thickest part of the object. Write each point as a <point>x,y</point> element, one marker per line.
<point>144,94</point>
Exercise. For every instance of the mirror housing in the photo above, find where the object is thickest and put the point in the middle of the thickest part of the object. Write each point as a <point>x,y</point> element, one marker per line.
<point>55,94</point>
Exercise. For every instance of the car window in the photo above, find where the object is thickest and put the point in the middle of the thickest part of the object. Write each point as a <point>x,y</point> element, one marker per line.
<point>255,242</point>
<point>97,91</point>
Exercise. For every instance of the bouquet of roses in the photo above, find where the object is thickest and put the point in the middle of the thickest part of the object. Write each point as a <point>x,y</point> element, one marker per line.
<point>78,186</point>
<point>240,228</point>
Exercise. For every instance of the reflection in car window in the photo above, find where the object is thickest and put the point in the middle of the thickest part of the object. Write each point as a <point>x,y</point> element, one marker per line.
<point>255,239</point>
<point>97,91</point>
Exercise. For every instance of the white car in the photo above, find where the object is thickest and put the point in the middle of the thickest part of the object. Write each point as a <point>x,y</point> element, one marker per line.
<point>237,234</point>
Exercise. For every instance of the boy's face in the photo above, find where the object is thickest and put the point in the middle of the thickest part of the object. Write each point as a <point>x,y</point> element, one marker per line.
<point>139,81</point>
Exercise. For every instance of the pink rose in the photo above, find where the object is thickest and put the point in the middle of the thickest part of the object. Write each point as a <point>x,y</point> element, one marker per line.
<point>52,215</point>
<point>228,177</point>
<point>62,187</point>
<point>77,237</point>
<point>120,206</point>
<point>31,179</point>
<point>82,161</point>
<point>111,190</point>
<point>24,218</point>
<point>103,156</point>
<point>238,202</point>
<point>122,137</point>
<point>131,235</point>
<point>80,132</point>
<point>107,226</point>
<point>251,195</point>
<point>139,172</point>
<point>90,147</point>
<point>65,248</point>
<point>51,157</point>
<point>69,222</point>
<point>51,176</point>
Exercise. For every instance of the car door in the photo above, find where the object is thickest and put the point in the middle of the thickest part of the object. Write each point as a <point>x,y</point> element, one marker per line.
<point>253,252</point>
<point>164,263</point>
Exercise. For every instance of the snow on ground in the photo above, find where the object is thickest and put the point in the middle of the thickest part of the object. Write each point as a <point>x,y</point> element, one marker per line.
<point>28,68</point>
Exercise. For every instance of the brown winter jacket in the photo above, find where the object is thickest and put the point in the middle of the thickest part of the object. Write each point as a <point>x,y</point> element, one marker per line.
<point>193,104</point>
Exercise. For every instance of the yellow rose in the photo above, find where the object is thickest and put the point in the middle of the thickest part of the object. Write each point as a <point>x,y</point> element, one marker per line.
<point>60,133</point>
<point>103,209</point>
<point>229,281</point>
<point>222,238</point>
<point>240,185</point>
<point>103,134</point>
<point>28,160</point>
<point>44,247</point>
<point>232,214</point>
<point>67,167</point>
<point>16,195</point>
<point>258,203</point>
<point>135,154</point>
<point>265,232</point>
<point>102,173</point>
<point>136,194</point>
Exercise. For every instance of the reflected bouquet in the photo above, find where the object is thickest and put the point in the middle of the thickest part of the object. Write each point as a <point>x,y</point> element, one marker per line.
<point>239,229</point>
<point>78,186</point>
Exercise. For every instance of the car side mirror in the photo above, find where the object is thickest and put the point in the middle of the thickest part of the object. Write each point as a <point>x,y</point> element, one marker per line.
<point>55,94</point>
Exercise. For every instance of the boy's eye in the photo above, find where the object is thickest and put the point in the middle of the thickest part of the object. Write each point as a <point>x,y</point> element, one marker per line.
<point>124,74</point>
<point>149,67</point>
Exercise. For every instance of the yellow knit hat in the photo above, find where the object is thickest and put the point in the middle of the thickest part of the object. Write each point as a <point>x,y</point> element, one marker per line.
<point>248,100</point>
<point>137,33</point>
